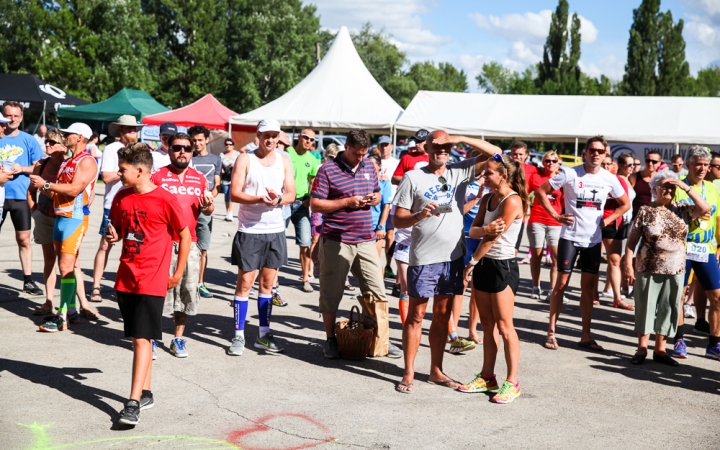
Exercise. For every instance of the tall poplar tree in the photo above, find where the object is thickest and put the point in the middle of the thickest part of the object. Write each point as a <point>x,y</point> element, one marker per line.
<point>559,73</point>
<point>673,70</point>
<point>640,70</point>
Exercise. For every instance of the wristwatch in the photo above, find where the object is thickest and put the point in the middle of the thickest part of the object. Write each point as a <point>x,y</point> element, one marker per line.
<point>380,228</point>
<point>472,261</point>
<point>46,186</point>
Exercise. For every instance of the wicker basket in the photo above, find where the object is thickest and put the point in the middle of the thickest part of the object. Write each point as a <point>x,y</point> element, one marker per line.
<point>354,338</point>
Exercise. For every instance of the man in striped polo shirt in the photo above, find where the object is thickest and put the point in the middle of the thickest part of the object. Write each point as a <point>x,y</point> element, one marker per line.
<point>343,191</point>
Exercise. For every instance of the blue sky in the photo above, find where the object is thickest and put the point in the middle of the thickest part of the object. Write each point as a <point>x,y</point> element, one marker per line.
<point>469,33</point>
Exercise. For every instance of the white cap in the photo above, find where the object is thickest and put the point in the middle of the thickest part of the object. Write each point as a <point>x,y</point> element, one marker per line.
<point>3,119</point>
<point>412,144</point>
<point>79,128</point>
<point>268,125</point>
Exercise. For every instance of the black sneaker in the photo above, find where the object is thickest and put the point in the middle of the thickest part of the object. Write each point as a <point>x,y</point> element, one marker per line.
<point>31,288</point>
<point>331,349</point>
<point>395,290</point>
<point>146,400</point>
<point>131,414</point>
<point>702,327</point>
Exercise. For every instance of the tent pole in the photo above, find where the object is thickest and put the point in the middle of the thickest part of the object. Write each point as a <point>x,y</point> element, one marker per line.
<point>394,141</point>
<point>576,149</point>
<point>677,148</point>
<point>43,114</point>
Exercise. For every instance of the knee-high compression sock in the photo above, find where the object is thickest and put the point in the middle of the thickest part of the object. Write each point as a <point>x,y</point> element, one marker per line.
<point>240,308</point>
<point>680,334</point>
<point>403,306</point>
<point>68,285</point>
<point>264,311</point>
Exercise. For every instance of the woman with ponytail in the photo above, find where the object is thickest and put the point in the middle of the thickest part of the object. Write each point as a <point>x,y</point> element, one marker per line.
<point>496,275</point>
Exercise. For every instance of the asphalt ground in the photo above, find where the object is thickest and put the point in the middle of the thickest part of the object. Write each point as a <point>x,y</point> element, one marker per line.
<point>64,390</point>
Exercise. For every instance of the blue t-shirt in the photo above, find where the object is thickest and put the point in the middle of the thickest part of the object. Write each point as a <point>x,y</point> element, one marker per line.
<point>472,193</point>
<point>22,149</point>
<point>386,191</point>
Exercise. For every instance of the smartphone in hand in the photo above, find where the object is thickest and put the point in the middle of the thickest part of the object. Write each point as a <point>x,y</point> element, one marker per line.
<point>442,209</point>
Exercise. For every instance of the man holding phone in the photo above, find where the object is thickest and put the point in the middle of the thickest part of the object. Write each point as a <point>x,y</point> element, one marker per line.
<point>431,200</point>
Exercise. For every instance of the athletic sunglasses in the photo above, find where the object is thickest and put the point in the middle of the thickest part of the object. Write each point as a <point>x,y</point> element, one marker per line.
<point>443,182</point>
<point>185,148</point>
<point>597,151</point>
<point>498,158</point>
<point>308,138</point>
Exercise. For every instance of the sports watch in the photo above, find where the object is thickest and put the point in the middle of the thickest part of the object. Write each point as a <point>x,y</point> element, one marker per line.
<point>380,228</point>
<point>46,186</point>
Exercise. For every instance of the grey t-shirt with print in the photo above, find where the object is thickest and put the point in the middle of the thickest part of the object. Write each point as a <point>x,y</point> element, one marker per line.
<point>209,165</point>
<point>436,239</point>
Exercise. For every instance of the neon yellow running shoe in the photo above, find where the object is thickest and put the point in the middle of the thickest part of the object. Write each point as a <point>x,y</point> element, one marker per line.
<point>479,384</point>
<point>508,393</point>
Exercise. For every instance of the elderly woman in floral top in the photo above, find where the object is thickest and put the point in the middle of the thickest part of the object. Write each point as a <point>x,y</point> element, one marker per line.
<point>662,228</point>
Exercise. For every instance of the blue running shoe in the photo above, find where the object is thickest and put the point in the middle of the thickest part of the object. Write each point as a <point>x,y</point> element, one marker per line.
<point>178,348</point>
<point>680,351</point>
<point>713,352</point>
<point>154,348</point>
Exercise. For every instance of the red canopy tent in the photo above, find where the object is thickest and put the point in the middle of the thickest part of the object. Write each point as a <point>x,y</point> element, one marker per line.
<point>207,111</point>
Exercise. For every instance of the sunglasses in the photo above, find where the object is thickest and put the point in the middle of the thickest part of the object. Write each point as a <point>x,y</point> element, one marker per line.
<point>652,161</point>
<point>308,138</point>
<point>550,161</point>
<point>50,142</point>
<point>185,148</point>
<point>597,151</point>
<point>499,159</point>
<point>630,165</point>
<point>714,166</point>
<point>444,186</point>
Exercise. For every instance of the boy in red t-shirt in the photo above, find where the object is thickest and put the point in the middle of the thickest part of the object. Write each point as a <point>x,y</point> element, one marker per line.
<point>145,217</point>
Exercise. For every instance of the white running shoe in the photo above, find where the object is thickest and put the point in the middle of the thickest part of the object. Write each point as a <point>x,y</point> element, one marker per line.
<point>689,312</point>
<point>536,293</point>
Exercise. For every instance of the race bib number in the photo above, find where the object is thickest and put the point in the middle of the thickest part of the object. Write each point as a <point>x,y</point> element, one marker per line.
<point>698,252</point>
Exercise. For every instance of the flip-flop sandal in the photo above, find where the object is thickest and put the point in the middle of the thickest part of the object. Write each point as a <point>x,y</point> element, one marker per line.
<point>95,296</point>
<point>409,388</point>
<point>638,358</point>
<point>665,359</point>
<point>551,343</point>
<point>44,309</point>
<point>446,383</point>
<point>89,314</point>
<point>349,287</point>
<point>591,345</point>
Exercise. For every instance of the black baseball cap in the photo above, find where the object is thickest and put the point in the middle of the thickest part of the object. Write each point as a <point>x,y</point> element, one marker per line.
<point>168,129</point>
<point>421,135</point>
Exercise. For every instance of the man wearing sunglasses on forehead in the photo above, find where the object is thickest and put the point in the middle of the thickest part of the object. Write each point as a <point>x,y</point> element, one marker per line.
<point>640,181</point>
<point>189,186</point>
<point>432,200</point>
<point>586,189</point>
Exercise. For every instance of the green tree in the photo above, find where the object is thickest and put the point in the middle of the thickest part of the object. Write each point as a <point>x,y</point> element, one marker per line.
<point>188,50</point>
<point>707,83</point>
<point>270,48</point>
<point>673,70</point>
<point>640,75</point>
<point>559,73</point>
<point>494,78</point>
<point>442,77</point>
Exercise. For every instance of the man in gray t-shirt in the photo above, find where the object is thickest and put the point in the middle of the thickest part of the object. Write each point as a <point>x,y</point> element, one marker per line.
<point>431,200</point>
<point>209,165</point>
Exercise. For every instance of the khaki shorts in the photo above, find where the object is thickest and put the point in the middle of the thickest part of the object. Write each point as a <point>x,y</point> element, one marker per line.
<point>184,297</point>
<point>43,230</point>
<point>336,259</point>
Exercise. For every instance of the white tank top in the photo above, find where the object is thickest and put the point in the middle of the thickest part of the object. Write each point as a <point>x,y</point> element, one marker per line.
<point>260,218</point>
<point>504,247</point>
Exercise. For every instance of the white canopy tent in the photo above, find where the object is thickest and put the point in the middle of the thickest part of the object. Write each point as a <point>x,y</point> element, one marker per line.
<point>669,120</point>
<point>339,94</point>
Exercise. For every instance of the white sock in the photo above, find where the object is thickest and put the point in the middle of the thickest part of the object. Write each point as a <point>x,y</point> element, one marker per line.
<point>264,331</point>
<point>240,333</point>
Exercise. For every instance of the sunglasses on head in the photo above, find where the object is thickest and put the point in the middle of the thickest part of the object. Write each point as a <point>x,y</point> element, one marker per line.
<point>185,148</point>
<point>652,161</point>
<point>50,142</point>
<point>498,158</point>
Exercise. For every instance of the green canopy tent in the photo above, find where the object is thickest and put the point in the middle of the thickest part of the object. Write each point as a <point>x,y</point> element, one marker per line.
<point>100,115</point>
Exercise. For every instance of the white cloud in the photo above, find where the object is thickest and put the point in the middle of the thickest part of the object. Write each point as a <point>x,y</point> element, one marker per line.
<point>400,18</point>
<point>702,32</point>
<point>530,27</point>
<point>610,66</point>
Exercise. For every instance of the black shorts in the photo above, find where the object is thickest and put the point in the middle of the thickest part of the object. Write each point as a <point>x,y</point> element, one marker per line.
<point>494,275</point>
<point>611,232</point>
<point>520,235</point>
<point>568,253</point>
<point>256,251</point>
<point>142,315</point>
<point>19,211</point>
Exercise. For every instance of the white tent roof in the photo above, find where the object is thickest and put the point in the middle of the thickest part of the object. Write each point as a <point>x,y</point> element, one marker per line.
<point>339,94</point>
<point>680,120</point>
